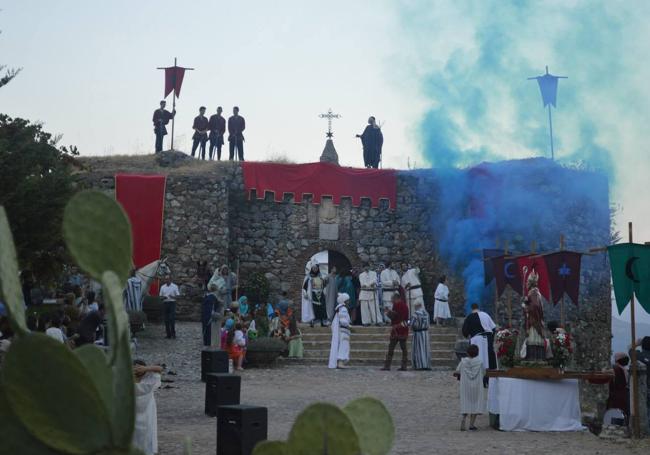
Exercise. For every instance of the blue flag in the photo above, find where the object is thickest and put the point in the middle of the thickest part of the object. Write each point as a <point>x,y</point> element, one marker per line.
<point>548,87</point>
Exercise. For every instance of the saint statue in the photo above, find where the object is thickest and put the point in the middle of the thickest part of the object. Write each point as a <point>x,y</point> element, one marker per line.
<point>533,346</point>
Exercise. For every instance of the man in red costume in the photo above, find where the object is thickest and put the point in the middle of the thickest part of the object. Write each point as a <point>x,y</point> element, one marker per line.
<point>399,332</point>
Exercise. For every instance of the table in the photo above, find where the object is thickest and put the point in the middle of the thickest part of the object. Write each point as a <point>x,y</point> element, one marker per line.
<point>535,405</point>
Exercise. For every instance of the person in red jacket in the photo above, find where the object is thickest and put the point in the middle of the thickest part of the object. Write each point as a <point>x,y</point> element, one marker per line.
<point>399,331</point>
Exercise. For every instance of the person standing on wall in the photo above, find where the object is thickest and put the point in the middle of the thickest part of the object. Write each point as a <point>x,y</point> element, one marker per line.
<point>217,127</point>
<point>236,127</point>
<point>161,117</point>
<point>372,140</point>
<point>169,292</point>
<point>200,136</point>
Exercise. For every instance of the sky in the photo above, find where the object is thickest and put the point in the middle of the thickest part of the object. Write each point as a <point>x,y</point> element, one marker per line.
<point>446,79</point>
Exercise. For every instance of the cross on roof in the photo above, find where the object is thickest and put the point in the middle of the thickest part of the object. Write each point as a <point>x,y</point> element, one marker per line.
<point>329,116</point>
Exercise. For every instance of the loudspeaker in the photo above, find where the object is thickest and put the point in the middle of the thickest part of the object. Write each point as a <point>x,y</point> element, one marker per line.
<point>221,389</point>
<point>213,360</point>
<point>240,428</point>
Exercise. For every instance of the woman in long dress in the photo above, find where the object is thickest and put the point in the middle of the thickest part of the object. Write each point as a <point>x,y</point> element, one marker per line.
<point>421,355</point>
<point>472,393</point>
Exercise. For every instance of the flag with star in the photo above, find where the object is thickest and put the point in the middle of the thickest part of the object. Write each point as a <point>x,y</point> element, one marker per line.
<point>563,269</point>
<point>630,263</point>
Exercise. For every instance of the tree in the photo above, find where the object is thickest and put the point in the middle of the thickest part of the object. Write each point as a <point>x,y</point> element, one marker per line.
<point>9,74</point>
<point>36,182</point>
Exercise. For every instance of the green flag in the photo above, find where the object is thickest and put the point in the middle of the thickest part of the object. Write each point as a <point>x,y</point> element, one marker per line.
<point>630,263</point>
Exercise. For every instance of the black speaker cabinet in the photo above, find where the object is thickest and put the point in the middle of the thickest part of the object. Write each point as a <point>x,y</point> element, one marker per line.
<point>213,360</point>
<point>221,389</point>
<point>240,428</point>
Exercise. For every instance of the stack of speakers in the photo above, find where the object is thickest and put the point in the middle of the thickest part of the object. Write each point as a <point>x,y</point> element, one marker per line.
<point>239,427</point>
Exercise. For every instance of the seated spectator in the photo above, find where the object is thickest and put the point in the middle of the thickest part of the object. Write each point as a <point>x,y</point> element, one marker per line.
<point>236,346</point>
<point>92,301</point>
<point>227,326</point>
<point>53,329</point>
<point>89,326</point>
<point>147,380</point>
<point>619,389</point>
<point>243,306</point>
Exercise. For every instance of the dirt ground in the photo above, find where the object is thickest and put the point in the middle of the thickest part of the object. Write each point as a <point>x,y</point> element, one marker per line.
<point>424,405</point>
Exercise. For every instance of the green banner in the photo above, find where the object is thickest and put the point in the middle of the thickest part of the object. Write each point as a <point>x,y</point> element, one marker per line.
<point>630,263</point>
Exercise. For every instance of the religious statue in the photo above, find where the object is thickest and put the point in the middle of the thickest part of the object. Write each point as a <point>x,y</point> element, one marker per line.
<point>533,346</point>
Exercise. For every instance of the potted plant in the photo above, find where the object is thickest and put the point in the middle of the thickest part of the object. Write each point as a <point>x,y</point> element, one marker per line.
<point>263,352</point>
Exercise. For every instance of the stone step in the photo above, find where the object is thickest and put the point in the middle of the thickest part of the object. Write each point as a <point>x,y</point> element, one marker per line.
<point>384,337</point>
<point>378,344</point>
<point>436,364</point>
<point>374,353</point>
<point>383,330</point>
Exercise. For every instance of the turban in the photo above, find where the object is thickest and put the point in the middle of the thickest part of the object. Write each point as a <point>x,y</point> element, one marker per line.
<point>342,298</point>
<point>230,324</point>
<point>243,299</point>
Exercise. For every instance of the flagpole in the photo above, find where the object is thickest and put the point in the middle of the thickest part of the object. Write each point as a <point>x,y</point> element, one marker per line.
<point>509,296</point>
<point>496,291</point>
<point>174,106</point>
<point>563,294</point>
<point>550,126</point>
<point>636,430</point>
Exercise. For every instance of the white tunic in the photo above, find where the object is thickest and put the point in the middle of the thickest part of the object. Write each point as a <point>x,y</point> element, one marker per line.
<point>389,280</point>
<point>472,393</point>
<point>411,278</point>
<point>368,281</point>
<point>340,349</point>
<point>145,435</point>
<point>307,310</point>
<point>441,305</point>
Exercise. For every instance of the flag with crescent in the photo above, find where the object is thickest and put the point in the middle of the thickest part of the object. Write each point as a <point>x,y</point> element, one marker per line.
<point>506,273</point>
<point>563,270</point>
<point>535,263</point>
<point>488,266</point>
<point>173,80</point>
<point>630,264</point>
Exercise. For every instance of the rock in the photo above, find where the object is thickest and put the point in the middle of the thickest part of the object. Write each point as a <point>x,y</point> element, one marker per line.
<point>172,158</point>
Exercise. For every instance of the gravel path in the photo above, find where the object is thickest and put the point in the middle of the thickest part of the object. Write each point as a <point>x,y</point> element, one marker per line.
<point>424,405</point>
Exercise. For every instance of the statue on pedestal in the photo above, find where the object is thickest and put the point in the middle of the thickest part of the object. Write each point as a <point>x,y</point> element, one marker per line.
<point>533,346</point>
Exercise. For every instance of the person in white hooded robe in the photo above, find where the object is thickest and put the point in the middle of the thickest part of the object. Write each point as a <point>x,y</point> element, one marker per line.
<point>340,349</point>
<point>145,434</point>
<point>470,371</point>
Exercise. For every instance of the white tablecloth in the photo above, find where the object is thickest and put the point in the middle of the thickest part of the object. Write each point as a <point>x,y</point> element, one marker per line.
<point>535,405</point>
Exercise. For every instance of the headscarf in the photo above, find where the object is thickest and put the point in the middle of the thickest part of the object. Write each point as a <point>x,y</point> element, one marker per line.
<point>230,323</point>
<point>342,298</point>
<point>283,306</point>
<point>243,305</point>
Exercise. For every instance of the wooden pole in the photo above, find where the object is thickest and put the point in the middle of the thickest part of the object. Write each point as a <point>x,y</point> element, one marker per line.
<point>636,430</point>
<point>509,293</point>
<point>496,292</point>
<point>173,108</point>
<point>563,295</point>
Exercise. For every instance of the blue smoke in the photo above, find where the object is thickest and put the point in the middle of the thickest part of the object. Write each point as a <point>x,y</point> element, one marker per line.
<point>473,61</point>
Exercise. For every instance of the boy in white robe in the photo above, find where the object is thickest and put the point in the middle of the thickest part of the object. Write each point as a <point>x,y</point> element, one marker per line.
<point>472,393</point>
<point>147,380</point>
<point>340,349</point>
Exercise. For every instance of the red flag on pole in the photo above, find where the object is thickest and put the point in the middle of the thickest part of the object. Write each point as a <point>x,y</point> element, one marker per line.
<point>564,274</point>
<point>173,80</point>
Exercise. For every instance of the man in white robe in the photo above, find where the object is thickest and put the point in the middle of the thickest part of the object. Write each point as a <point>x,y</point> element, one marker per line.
<point>441,310</point>
<point>479,327</point>
<point>340,349</point>
<point>370,312</point>
<point>412,288</point>
<point>228,285</point>
<point>389,286</point>
<point>145,433</point>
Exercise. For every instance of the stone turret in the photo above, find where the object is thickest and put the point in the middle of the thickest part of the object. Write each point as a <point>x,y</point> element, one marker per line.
<point>329,154</point>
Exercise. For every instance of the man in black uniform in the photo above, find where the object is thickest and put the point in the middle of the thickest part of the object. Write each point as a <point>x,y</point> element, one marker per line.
<point>161,117</point>
<point>236,126</point>
<point>372,140</point>
<point>200,136</point>
<point>217,127</point>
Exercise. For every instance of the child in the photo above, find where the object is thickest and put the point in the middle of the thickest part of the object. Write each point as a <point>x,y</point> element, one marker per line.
<point>472,394</point>
<point>294,337</point>
<point>147,380</point>
<point>236,346</point>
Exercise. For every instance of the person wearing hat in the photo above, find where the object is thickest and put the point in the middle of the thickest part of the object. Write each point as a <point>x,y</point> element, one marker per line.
<point>161,117</point>
<point>340,349</point>
<point>200,127</point>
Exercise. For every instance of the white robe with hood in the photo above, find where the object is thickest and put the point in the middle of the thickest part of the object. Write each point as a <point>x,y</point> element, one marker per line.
<point>340,349</point>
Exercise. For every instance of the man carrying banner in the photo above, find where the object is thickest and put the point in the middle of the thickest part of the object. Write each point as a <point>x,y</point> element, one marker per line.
<point>161,117</point>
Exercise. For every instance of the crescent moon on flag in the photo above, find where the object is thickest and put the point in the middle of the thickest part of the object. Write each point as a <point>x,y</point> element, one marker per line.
<point>506,270</point>
<point>628,269</point>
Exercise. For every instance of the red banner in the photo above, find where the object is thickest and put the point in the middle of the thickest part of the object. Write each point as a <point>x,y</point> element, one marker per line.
<point>321,179</point>
<point>143,200</point>
<point>537,264</point>
<point>173,80</point>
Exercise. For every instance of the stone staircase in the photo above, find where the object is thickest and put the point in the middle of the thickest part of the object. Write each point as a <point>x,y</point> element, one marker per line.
<point>368,346</point>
